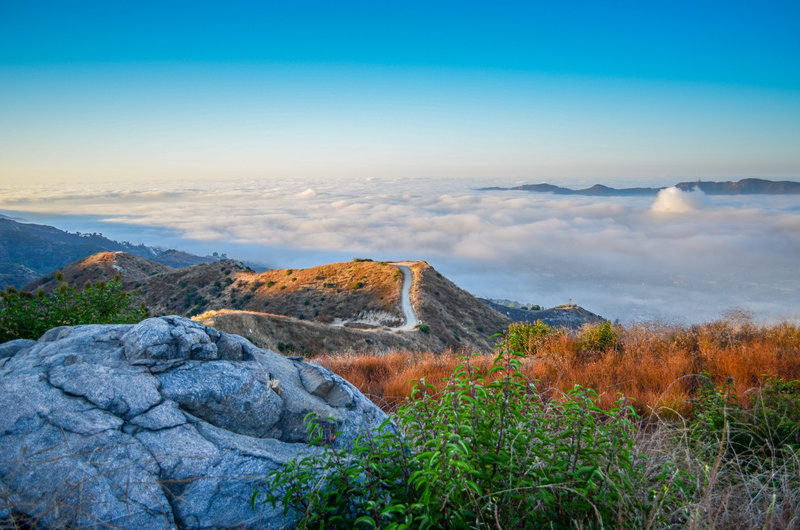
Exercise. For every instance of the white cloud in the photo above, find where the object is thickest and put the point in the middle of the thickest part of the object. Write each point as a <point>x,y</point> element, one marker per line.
<point>674,200</point>
<point>308,193</point>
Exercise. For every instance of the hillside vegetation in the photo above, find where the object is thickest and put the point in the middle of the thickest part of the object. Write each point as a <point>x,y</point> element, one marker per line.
<point>489,444</point>
<point>455,317</point>
<point>358,290</point>
<point>452,318</point>
<point>660,368</point>
<point>24,315</point>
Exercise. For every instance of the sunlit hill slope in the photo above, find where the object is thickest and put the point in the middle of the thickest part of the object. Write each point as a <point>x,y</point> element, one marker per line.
<point>351,306</point>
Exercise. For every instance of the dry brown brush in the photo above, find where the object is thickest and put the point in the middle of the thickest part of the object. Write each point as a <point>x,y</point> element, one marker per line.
<point>657,366</point>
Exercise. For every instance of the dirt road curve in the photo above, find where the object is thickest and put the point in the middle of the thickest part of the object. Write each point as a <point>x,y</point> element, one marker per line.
<point>405,297</point>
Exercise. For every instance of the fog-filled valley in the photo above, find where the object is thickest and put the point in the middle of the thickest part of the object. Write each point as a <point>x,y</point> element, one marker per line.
<point>679,256</point>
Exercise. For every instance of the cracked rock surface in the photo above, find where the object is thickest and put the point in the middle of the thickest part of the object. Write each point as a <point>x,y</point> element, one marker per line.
<point>166,423</point>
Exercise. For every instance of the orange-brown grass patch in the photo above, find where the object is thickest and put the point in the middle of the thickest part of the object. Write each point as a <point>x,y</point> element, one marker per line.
<point>388,378</point>
<point>659,367</point>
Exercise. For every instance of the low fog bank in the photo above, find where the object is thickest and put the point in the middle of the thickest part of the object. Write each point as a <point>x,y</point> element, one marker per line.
<point>681,257</point>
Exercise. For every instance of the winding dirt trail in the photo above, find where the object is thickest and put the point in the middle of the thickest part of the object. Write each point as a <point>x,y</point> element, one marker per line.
<point>405,297</point>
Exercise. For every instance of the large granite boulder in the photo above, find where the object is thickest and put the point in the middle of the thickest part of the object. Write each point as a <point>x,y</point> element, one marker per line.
<point>166,423</point>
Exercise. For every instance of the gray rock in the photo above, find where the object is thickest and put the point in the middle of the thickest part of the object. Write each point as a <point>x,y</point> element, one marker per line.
<point>324,384</point>
<point>55,334</point>
<point>10,348</point>
<point>166,423</point>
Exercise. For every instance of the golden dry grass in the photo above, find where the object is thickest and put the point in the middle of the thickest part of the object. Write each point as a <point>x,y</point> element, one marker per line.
<point>658,366</point>
<point>324,292</point>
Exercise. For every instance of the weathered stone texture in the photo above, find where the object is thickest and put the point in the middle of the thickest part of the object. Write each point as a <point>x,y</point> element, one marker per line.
<point>166,423</point>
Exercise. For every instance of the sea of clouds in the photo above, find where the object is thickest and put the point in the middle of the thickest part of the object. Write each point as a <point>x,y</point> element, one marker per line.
<point>680,256</point>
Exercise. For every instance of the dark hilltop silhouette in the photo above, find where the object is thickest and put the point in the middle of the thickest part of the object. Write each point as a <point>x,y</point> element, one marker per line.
<point>750,186</point>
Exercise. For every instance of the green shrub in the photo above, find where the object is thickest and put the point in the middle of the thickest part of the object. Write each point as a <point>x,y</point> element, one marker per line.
<point>423,327</point>
<point>286,347</point>
<point>358,285</point>
<point>527,338</point>
<point>27,316</point>
<point>481,454</point>
<point>769,429</point>
<point>599,338</point>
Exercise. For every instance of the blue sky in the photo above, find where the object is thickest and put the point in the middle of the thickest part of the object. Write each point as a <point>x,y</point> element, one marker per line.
<point>561,91</point>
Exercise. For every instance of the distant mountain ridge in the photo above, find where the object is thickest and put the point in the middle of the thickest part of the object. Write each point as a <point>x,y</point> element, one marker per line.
<point>750,186</point>
<point>569,316</point>
<point>28,251</point>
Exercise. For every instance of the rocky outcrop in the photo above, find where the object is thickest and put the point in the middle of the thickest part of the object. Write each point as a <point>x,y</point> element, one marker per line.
<point>166,423</point>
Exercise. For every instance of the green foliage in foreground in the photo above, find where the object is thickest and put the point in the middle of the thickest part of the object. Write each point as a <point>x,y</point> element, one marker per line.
<point>25,315</point>
<point>485,454</point>
<point>768,430</point>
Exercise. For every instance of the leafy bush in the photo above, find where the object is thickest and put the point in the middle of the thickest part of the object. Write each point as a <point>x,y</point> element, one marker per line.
<point>286,347</point>
<point>769,429</point>
<point>27,316</point>
<point>358,285</point>
<point>602,337</point>
<point>423,327</point>
<point>527,338</point>
<point>481,454</point>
